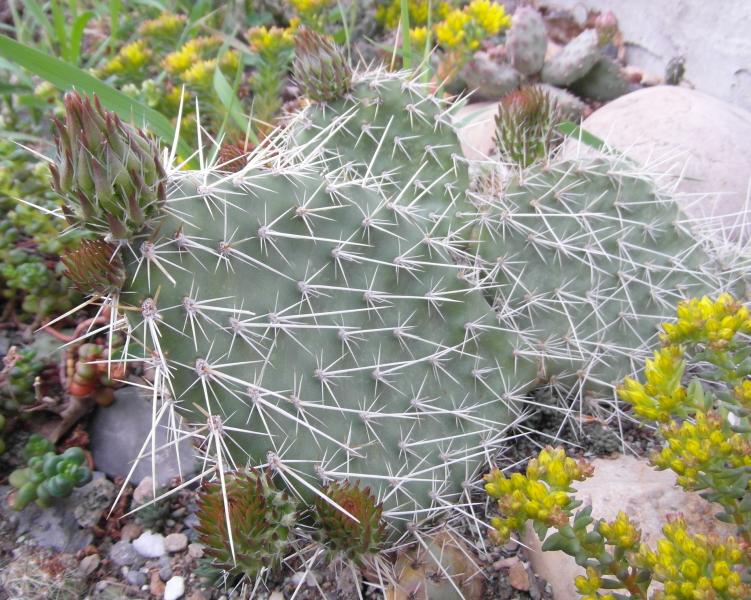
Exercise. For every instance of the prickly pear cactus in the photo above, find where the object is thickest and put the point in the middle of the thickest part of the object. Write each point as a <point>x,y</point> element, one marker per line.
<point>527,41</point>
<point>587,259</point>
<point>574,61</point>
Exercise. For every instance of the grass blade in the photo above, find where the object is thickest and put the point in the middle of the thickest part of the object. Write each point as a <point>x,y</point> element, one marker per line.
<point>406,44</point>
<point>571,129</point>
<point>65,76</point>
<point>76,35</point>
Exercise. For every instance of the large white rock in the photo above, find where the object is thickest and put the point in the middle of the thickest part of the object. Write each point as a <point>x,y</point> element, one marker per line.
<point>476,124</point>
<point>644,494</point>
<point>697,143</point>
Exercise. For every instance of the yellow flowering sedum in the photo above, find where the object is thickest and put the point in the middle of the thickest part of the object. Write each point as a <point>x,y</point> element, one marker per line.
<point>541,494</point>
<point>310,12</point>
<point>418,36</point>
<point>663,395</point>
<point>714,323</point>
<point>131,58</point>
<point>389,14</point>
<point>465,29</point>
<point>269,42</point>
<point>167,25</point>
<point>695,566</point>
<point>191,52</point>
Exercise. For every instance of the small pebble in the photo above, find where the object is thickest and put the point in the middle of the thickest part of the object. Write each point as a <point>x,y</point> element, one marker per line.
<point>276,596</point>
<point>149,545</point>
<point>123,554</point>
<point>165,572</point>
<point>518,577</point>
<point>195,550</point>
<point>175,588</point>
<point>130,532</point>
<point>505,563</point>
<point>89,564</point>
<point>156,586</point>
<point>136,578</point>
<point>175,542</point>
<point>144,491</point>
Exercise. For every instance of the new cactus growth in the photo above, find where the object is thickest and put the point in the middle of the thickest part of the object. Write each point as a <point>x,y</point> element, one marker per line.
<point>321,69</point>
<point>246,524</point>
<point>525,126</point>
<point>94,267</point>
<point>356,540</point>
<point>48,475</point>
<point>109,173</point>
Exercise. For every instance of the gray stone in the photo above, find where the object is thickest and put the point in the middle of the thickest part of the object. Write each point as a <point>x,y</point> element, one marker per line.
<point>698,145</point>
<point>687,28</point>
<point>175,542</point>
<point>195,550</point>
<point>175,588</point>
<point>646,495</point>
<point>136,578</point>
<point>118,432</point>
<point>93,499</point>
<point>89,564</point>
<point>165,572</point>
<point>149,545</point>
<point>123,554</point>
<point>59,526</point>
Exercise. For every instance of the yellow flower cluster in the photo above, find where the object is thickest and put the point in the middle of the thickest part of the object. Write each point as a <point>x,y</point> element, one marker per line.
<point>541,494</point>
<point>663,394</point>
<point>167,25</point>
<point>269,42</point>
<point>190,53</point>
<point>714,323</point>
<point>310,9</point>
<point>418,36</point>
<point>131,58</point>
<point>588,586</point>
<point>389,14</point>
<point>201,73</point>
<point>465,29</point>
<point>700,447</point>
<point>621,532</point>
<point>695,567</point>
<point>743,393</point>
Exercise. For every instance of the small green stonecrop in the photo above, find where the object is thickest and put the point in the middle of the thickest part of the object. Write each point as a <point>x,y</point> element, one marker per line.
<point>707,434</point>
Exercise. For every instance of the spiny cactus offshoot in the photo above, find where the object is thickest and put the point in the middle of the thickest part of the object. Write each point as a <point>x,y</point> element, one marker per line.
<point>245,524</point>
<point>357,540</point>
<point>108,173</point>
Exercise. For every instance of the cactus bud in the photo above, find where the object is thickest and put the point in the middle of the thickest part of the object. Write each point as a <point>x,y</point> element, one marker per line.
<point>342,534</point>
<point>94,267</point>
<point>606,25</point>
<point>260,517</point>
<point>525,126</point>
<point>320,68</point>
<point>108,173</point>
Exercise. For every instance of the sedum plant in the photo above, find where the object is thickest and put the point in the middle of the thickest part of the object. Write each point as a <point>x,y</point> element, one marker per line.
<point>47,476</point>
<point>706,443</point>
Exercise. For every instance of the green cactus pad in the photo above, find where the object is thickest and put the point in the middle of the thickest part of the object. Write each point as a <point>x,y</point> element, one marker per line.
<point>588,261</point>
<point>308,311</point>
<point>604,82</point>
<point>527,41</point>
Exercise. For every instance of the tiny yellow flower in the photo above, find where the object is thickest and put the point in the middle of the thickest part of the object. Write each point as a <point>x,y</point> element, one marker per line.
<point>418,36</point>
<point>130,59</point>
<point>167,25</point>
<point>201,74</point>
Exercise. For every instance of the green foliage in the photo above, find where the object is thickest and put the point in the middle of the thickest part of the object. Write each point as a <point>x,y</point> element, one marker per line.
<point>22,368</point>
<point>48,476</point>
<point>707,444</point>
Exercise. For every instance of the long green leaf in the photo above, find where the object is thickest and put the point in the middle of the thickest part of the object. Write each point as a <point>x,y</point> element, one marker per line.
<point>228,97</point>
<point>406,44</point>
<point>570,129</point>
<point>76,35</point>
<point>65,77</point>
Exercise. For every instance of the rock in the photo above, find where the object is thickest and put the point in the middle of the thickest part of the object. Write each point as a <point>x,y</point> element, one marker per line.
<point>701,144</point>
<point>136,578</point>
<point>195,550</point>
<point>123,554</point>
<point>673,28</point>
<point>487,78</point>
<point>118,432</point>
<point>165,572</point>
<point>34,573</point>
<point>476,123</point>
<point>644,494</point>
<point>144,491</point>
<point>89,564</point>
<point>92,500</point>
<point>175,588</point>
<point>175,542</point>
<point>156,586</point>
<point>505,563</point>
<point>130,531</point>
<point>60,526</point>
<point>518,577</point>
<point>149,545</point>
<point>276,596</point>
